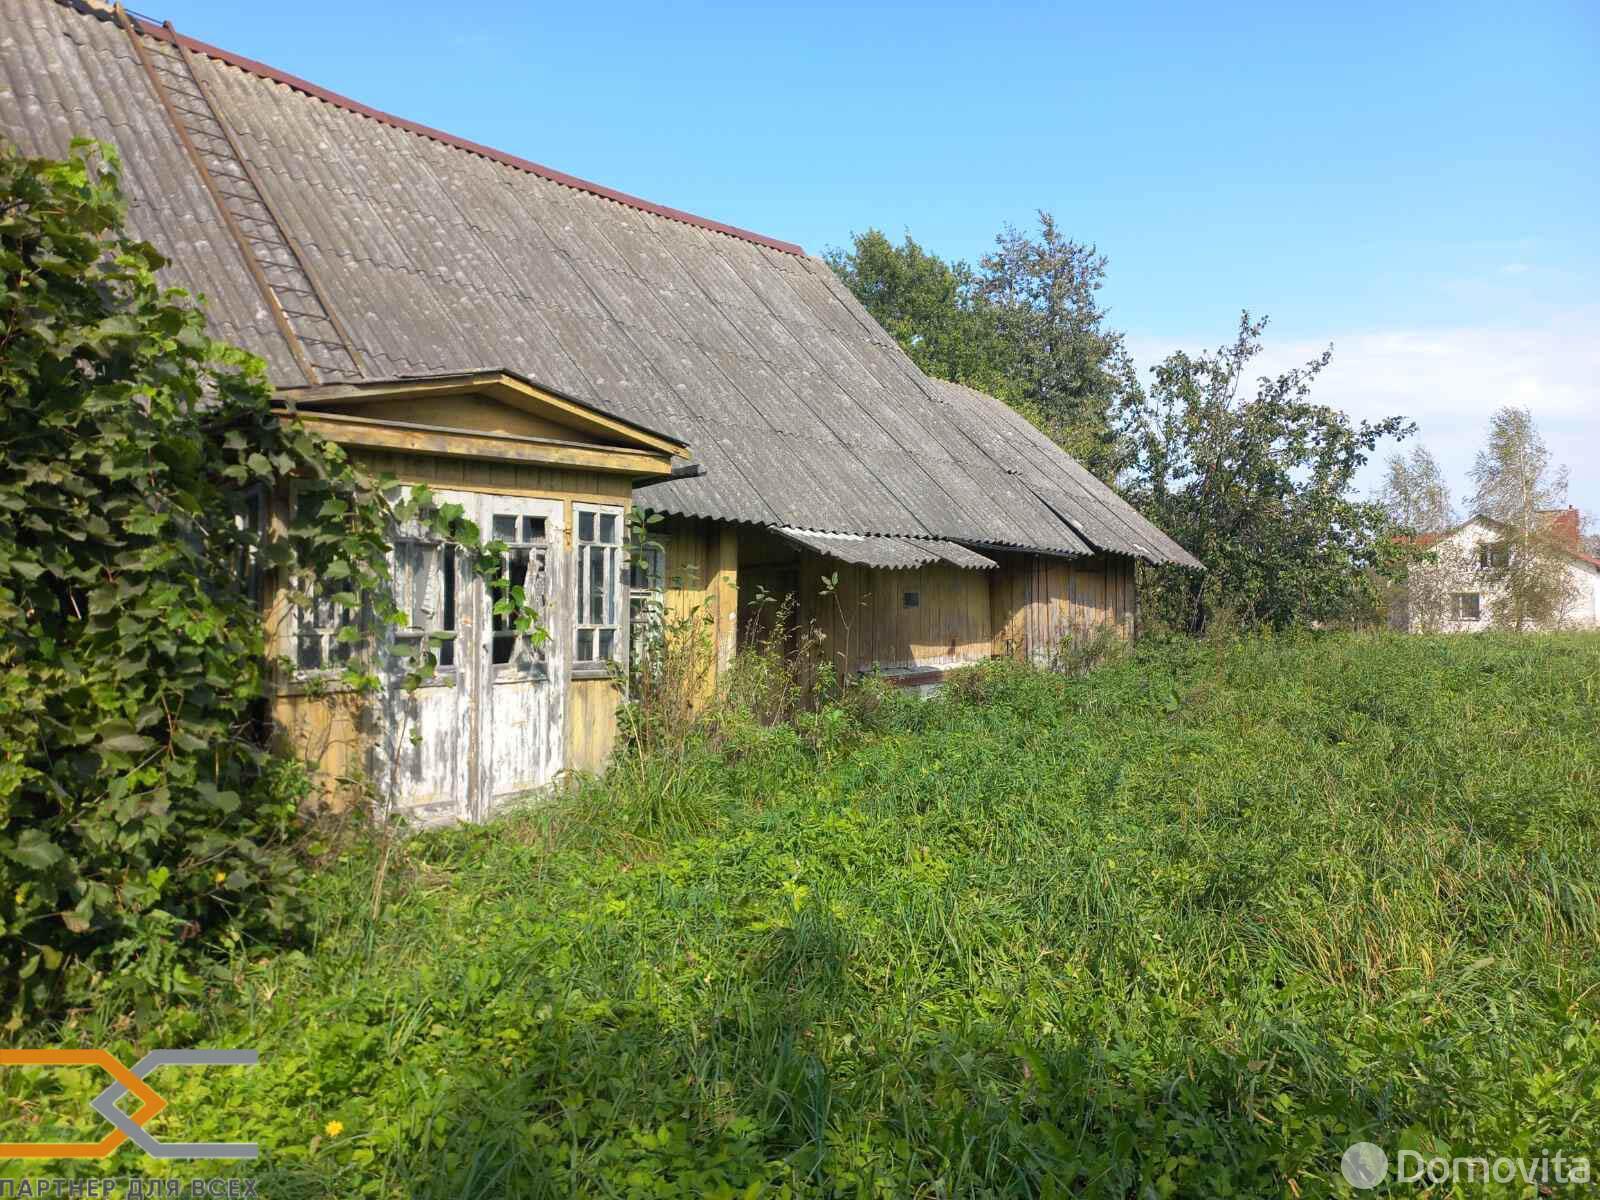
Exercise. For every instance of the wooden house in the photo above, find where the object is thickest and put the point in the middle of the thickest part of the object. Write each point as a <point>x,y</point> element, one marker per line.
<point>549,350</point>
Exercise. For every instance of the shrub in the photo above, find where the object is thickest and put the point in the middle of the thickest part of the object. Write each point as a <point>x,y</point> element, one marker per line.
<point>140,819</point>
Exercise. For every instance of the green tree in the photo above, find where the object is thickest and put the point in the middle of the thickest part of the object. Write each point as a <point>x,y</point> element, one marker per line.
<point>1258,487</point>
<point>1518,486</point>
<point>1415,493</point>
<point>1062,360</point>
<point>1026,327</point>
<point>930,307</point>
<point>140,818</point>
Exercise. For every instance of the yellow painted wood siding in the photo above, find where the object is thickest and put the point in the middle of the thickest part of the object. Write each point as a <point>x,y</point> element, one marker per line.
<point>591,723</point>
<point>702,581</point>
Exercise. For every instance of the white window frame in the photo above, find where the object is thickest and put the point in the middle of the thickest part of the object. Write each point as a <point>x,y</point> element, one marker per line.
<point>438,606</point>
<point>1493,556</point>
<point>1458,608</point>
<point>589,625</point>
<point>525,661</point>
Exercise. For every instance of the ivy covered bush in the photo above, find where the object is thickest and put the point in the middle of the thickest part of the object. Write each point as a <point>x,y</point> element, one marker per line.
<point>143,827</point>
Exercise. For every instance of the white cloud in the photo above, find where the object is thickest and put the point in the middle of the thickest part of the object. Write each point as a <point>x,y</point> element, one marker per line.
<point>1449,381</point>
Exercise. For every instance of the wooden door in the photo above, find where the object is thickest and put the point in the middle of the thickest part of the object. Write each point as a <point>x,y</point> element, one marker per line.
<point>424,760</point>
<point>488,727</point>
<point>521,681</point>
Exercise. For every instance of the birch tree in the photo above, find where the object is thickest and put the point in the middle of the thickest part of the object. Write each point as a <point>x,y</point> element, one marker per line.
<point>1518,485</point>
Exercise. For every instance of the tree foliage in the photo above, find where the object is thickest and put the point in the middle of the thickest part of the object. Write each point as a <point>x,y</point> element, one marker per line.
<point>1257,485</point>
<point>1415,493</point>
<point>929,306</point>
<point>1062,358</point>
<point>140,817</point>
<point>1518,486</point>
<point>1025,326</point>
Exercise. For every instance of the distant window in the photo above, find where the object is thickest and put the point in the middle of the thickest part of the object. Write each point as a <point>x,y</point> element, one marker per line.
<point>912,600</point>
<point>1465,606</point>
<point>1493,556</point>
<point>599,552</point>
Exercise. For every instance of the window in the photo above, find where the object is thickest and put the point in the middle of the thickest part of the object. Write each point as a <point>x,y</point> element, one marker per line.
<point>1464,606</point>
<point>321,640</point>
<point>318,646</point>
<point>1493,556</point>
<point>250,519</point>
<point>911,600</point>
<point>425,584</point>
<point>522,567</point>
<point>599,544</point>
<point>647,572</point>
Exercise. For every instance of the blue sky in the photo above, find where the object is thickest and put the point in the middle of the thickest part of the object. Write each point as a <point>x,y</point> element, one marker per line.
<point>1418,187</point>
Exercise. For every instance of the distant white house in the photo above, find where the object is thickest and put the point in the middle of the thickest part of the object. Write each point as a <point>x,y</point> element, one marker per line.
<point>1456,593</point>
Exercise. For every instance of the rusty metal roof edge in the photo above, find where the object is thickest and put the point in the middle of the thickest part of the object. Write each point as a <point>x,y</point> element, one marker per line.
<point>265,71</point>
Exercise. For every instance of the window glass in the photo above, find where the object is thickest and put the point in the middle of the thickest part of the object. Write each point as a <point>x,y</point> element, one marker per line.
<point>447,617</point>
<point>522,569</point>
<point>598,637</point>
<point>425,592</point>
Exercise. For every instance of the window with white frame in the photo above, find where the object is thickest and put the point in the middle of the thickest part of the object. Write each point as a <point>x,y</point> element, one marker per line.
<point>1493,556</point>
<point>523,566</point>
<point>1466,606</point>
<point>425,591</point>
<point>597,639</point>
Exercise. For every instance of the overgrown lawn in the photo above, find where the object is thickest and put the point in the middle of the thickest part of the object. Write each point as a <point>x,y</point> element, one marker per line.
<point>1189,925</point>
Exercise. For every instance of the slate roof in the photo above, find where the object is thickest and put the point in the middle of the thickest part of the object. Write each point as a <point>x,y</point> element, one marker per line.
<point>436,254</point>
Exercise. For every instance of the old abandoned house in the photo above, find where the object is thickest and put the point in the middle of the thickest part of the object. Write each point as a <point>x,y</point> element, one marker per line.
<point>545,351</point>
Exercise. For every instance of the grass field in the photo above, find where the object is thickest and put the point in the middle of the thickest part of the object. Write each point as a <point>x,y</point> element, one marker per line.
<point>1189,926</point>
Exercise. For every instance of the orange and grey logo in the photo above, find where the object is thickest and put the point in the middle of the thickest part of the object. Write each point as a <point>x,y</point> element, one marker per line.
<point>128,1081</point>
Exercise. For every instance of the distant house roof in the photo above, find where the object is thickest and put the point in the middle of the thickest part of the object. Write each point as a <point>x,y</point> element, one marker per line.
<point>394,250</point>
<point>1564,521</point>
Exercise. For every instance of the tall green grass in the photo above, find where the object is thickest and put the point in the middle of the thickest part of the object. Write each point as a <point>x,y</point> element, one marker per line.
<point>1188,925</point>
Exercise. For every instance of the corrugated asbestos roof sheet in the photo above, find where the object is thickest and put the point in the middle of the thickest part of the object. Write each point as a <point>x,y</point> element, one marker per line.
<point>438,254</point>
<point>875,551</point>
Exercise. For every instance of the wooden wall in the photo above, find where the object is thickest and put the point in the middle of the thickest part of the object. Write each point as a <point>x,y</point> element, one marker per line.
<point>591,723</point>
<point>865,621</point>
<point>1025,607</point>
<point>1037,602</point>
<point>702,580</point>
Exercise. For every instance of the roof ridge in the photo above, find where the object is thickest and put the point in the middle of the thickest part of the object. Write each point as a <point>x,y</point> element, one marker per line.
<point>263,70</point>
